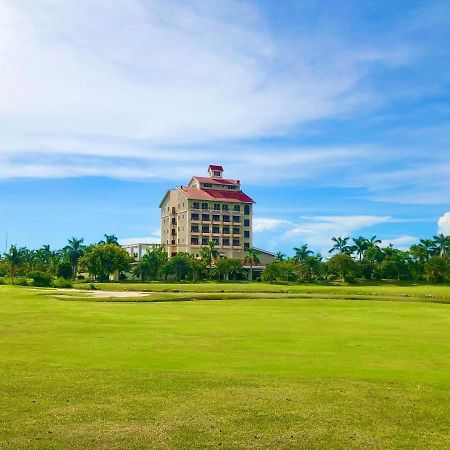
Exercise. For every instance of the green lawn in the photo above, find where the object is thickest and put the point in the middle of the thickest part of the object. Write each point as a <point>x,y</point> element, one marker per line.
<point>262,373</point>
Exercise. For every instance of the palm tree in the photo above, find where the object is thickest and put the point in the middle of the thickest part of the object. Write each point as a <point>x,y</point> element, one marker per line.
<point>361,245</point>
<point>14,258</point>
<point>373,242</point>
<point>209,253</point>
<point>430,246</point>
<point>340,245</point>
<point>110,239</point>
<point>251,259</point>
<point>75,251</point>
<point>442,244</point>
<point>301,253</point>
<point>280,256</point>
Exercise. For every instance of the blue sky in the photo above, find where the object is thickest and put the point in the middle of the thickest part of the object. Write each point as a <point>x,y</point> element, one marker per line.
<point>334,115</point>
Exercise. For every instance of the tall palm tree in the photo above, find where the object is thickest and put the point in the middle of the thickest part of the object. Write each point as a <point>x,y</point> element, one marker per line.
<point>340,245</point>
<point>301,253</point>
<point>251,259</point>
<point>280,256</point>
<point>209,253</point>
<point>75,251</point>
<point>361,244</point>
<point>442,243</point>
<point>430,246</point>
<point>373,242</point>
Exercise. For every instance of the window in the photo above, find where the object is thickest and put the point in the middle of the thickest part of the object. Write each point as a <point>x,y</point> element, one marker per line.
<point>236,242</point>
<point>236,230</point>
<point>237,208</point>
<point>174,221</point>
<point>216,230</point>
<point>196,205</point>
<point>246,209</point>
<point>246,222</point>
<point>236,219</point>
<point>226,242</point>
<point>194,228</point>
<point>216,206</point>
<point>173,241</point>
<point>205,216</point>
<point>205,241</point>
<point>216,218</point>
<point>232,188</point>
<point>216,241</point>
<point>194,216</point>
<point>216,173</point>
<point>226,230</point>
<point>207,185</point>
<point>226,218</point>
<point>246,246</point>
<point>224,207</point>
<point>246,234</point>
<point>204,205</point>
<point>205,228</point>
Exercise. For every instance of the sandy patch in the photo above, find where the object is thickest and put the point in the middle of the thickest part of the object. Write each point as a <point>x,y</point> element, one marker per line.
<point>108,294</point>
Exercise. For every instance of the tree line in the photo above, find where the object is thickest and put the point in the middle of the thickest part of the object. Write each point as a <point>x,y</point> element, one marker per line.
<point>350,259</point>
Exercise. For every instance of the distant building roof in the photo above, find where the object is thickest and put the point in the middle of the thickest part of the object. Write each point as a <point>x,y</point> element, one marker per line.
<point>213,167</point>
<point>215,180</point>
<point>215,194</point>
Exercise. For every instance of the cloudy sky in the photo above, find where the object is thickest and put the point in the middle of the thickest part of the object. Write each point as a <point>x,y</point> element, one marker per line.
<point>334,115</point>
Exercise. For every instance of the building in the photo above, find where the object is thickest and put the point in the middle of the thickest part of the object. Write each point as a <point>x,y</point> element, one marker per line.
<point>208,208</point>
<point>138,249</point>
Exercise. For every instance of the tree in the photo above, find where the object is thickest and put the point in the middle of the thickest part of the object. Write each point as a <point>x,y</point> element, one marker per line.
<point>436,268</point>
<point>340,245</point>
<point>373,242</point>
<point>222,268</point>
<point>75,251</point>
<point>251,259</point>
<point>151,263</point>
<point>280,256</point>
<point>342,265</point>
<point>311,268</point>
<point>180,265</point>
<point>442,244</point>
<point>209,253</point>
<point>197,268</point>
<point>110,239</point>
<point>14,260</point>
<point>102,260</point>
<point>360,246</point>
<point>301,253</point>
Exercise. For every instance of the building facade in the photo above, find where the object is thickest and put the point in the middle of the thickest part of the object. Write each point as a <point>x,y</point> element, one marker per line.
<point>210,208</point>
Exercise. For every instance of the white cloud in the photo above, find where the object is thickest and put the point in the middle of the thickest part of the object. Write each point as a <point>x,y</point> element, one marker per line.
<point>444,224</point>
<point>401,242</point>
<point>144,80</point>
<point>261,224</point>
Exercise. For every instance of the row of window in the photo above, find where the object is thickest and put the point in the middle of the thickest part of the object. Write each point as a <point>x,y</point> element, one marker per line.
<point>230,187</point>
<point>218,207</point>
<point>216,218</point>
<point>216,230</point>
<point>225,242</point>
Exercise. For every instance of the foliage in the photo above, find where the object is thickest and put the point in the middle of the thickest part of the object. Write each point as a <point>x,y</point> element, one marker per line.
<point>62,283</point>
<point>102,260</point>
<point>40,278</point>
<point>343,266</point>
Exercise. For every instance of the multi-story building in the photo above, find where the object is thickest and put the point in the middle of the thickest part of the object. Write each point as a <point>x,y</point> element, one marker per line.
<point>208,208</point>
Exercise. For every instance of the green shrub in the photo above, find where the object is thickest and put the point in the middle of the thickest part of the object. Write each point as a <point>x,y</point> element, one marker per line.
<point>62,283</point>
<point>2,281</point>
<point>21,281</point>
<point>64,270</point>
<point>40,279</point>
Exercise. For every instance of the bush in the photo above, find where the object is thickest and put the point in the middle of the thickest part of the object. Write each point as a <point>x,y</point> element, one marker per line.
<point>21,281</point>
<point>40,279</point>
<point>62,283</point>
<point>64,270</point>
<point>2,281</point>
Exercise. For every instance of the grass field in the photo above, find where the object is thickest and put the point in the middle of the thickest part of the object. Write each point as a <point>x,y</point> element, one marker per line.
<point>280,372</point>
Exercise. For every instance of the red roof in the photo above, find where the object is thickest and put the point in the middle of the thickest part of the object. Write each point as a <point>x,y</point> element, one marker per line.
<point>213,167</point>
<point>215,194</point>
<point>215,180</point>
